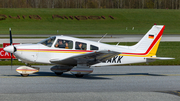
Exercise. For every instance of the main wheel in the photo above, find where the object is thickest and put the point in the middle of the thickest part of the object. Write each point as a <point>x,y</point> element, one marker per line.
<point>79,75</point>
<point>24,75</point>
<point>58,73</point>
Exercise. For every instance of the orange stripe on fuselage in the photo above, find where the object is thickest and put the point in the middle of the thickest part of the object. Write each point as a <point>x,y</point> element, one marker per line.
<point>55,51</point>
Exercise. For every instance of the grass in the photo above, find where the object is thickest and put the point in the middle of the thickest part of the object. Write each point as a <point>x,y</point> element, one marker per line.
<point>141,19</point>
<point>166,49</point>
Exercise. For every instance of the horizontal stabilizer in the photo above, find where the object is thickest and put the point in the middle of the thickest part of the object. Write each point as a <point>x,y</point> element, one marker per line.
<point>151,59</point>
<point>159,58</point>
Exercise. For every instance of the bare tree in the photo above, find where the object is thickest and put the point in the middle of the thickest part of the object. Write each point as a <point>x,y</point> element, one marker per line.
<point>117,3</point>
<point>159,4</point>
<point>141,4</point>
<point>172,4</point>
<point>129,3</point>
<point>36,3</point>
<point>99,3</point>
<point>176,4</point>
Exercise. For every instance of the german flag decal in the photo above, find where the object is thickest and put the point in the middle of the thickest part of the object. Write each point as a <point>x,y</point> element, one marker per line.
<point>151,36</point>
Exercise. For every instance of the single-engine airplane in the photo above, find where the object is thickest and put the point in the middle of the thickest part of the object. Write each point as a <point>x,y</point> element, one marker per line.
<point>78,55</point>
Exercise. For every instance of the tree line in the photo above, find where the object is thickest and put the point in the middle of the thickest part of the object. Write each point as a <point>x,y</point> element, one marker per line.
<point>119,4</point>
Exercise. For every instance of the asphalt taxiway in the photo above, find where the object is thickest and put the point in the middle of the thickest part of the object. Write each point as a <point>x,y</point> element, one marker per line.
<point>108,38</point>
<point>115,83</point>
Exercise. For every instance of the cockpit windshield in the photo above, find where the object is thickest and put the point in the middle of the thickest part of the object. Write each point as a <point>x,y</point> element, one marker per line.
<point>49,41</point>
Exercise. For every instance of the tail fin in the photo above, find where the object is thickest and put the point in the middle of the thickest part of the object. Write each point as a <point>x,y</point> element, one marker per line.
<point>150,42</point>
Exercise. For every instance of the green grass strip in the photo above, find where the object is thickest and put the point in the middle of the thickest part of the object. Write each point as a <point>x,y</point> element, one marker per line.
<point>125,19</point>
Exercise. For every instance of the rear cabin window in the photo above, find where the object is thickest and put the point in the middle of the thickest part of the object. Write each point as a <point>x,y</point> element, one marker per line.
<point>81,46</point>
<point>66,44</point>
<point>92,47</point>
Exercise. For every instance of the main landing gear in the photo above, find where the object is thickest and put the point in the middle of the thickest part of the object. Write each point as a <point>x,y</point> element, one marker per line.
<point>78,72</point>
<point>82,68</point>
<point>59,70</point>
<point>26,70</point>
<point>79,75</point>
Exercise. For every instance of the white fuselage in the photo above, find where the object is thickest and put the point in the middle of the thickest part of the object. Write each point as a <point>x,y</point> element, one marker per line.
<point>77,55</point>
<point>39,53</point>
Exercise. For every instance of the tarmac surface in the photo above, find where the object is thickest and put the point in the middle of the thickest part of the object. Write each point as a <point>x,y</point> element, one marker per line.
<point>108,38</point>
<point>111,83</point>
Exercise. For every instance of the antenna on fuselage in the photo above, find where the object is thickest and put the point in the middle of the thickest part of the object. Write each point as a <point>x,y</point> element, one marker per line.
<point>102,37</point>
<point>117,44</point>
<point>57,31</point>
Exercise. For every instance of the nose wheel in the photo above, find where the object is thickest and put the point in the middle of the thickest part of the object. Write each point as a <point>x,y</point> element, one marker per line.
<point>24,75</point>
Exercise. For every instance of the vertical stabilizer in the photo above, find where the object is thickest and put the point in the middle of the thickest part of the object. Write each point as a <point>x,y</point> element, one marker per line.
<point>150,42</point>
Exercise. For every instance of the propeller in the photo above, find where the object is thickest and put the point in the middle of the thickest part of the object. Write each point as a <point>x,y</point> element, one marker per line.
<point>11,49</point>
<point>11,42</point>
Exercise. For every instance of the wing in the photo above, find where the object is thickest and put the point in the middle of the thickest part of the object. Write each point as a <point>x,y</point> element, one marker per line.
<point>88,58</point>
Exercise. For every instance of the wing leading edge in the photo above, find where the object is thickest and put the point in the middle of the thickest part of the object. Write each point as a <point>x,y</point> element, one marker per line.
<point>90,58</point>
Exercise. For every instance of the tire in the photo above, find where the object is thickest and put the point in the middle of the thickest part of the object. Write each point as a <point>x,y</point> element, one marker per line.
<point>58,73</point>
<point>24,75</point>
<point>79,75</point>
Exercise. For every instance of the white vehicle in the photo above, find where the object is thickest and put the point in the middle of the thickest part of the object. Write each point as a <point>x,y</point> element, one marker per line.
<point>78,55</point>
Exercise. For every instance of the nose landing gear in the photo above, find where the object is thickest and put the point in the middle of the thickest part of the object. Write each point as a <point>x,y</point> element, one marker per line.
<point>26,70</point>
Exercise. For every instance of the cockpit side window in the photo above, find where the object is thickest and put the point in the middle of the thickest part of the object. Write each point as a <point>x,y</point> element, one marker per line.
<point>61,43</point>
<point>49,41</point>
<point>81,46</point>
<point>92,47</point>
